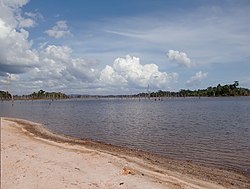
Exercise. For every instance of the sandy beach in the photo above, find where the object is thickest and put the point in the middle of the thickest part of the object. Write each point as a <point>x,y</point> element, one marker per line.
<point>33,157</point>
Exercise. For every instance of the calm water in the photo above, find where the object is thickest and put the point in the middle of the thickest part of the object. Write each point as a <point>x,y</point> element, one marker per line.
<point>211,131</point>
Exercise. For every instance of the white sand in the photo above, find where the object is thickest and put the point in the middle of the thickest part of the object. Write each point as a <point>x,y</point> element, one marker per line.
<point>28,161</point>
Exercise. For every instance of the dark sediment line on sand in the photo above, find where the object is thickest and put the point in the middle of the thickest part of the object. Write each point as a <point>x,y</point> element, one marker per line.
<point>229,179</point>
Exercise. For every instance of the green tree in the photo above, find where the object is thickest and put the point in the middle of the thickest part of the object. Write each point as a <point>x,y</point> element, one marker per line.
<point>236,84</point>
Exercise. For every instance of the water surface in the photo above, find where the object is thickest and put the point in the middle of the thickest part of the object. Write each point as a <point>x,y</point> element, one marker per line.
<point>210,131</point>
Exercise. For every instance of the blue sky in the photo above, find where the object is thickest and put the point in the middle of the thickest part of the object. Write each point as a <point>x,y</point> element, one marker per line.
<point>121,47</point>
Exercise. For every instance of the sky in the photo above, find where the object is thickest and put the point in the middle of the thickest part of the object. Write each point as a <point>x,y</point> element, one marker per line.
<point>122,47</point>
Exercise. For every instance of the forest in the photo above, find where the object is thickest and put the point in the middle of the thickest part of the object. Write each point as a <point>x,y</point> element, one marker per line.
<point>41,94</point>
<point>219,90</point>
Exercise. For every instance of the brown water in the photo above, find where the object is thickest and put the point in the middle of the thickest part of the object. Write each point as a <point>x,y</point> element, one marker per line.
<point>209,131</point>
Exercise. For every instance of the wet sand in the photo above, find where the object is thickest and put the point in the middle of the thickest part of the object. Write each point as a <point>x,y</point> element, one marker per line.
<point>33,157</point>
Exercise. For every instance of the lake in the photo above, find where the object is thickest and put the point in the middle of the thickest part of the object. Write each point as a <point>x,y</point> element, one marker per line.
<point>210,131</point>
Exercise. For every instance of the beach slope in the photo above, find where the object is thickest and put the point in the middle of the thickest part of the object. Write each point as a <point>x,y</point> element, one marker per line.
<point>33,157</point>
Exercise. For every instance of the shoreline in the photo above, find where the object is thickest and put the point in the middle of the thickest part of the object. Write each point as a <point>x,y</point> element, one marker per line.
<point>152,98</point>
<point>145,168</point>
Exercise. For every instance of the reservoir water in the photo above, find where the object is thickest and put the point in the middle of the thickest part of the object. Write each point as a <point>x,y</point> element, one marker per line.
<point>208,131</point>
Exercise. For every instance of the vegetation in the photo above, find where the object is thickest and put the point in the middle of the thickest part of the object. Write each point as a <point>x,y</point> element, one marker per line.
<point>220,90</point>
<point>46,95</point>
<point>225,90</point>
<point>34,96</point>
<point>5,95</point>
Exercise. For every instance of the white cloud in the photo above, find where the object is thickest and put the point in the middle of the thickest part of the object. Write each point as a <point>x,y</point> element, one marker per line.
<point>129,71</point>
<point>196,79</point>
<point>179,57</point>
<point>13,77</point>
<point>16,53</point>
<point>29,20</point>
<point>15,3</point>
<point>35,15</point>
<point>15,49</point>
<point>9,78</point>
<point>57,63</point>
<point>50,66</point>
<point>208,36</point>
<point>82,69</point>
<point>57,70</point>
<point>60,30</point>
<point>10,12</point>
<point>211,33</point>
<point>111,77</point>
<point>26,23</point>
<point>31,14</point>
<point>58,53</point>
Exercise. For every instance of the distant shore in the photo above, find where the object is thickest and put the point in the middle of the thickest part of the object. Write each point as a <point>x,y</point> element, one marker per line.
<point>33,157</point>
<point>218,91</point>
<point>118,97</point>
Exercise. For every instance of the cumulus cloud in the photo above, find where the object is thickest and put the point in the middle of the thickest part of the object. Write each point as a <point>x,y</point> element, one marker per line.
<point>111,77</point>
<point>16,53</point>
<point>57,63</point>
<point>52,67</point>
<point>11,14</point>
<point>15,47</point>
<point>60,30</point>
<point>196,79</point>
<point>49,67</point>
<point>58,53</point>
<point>129,71</point>
<point>180,57</point>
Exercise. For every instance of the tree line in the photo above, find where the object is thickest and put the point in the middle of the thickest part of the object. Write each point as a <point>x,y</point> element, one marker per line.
<point>47,95</point>
<point>41,94</point>
<point>4,95</point>
<point>219,90</point>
